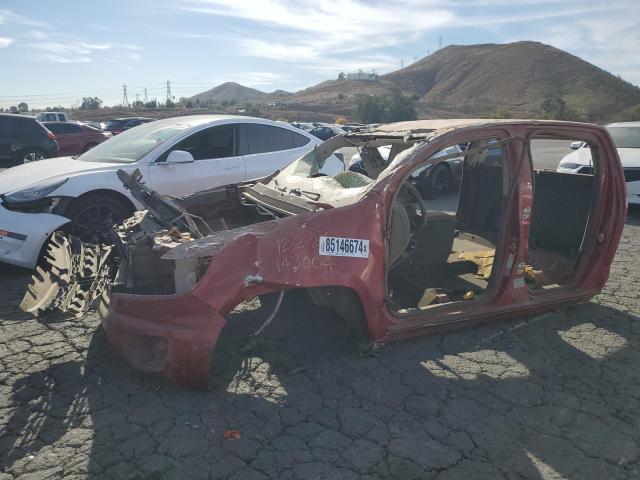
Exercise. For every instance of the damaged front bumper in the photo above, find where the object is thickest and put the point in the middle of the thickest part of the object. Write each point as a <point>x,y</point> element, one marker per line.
<point>149,306</point>
<point>173,335</point>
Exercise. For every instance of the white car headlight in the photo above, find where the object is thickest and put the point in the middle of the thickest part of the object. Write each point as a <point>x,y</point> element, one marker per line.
<point>33,193</point>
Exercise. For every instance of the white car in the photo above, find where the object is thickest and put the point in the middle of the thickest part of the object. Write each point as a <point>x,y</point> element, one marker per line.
<point>176,156</point>
<point>626,136</point>
<point>52,117</point>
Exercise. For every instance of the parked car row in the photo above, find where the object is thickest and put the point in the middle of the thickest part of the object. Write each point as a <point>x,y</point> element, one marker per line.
<point>179,156</point>
<point>176,156</point>
<point>25,139</point>
<point>324,131</point>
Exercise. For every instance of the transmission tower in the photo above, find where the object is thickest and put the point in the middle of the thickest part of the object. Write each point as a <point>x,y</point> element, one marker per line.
<point>137,99</point>
<point>401,63</point>
<point>168,91</point>
<point>145,96</point>
<point>125,98</point>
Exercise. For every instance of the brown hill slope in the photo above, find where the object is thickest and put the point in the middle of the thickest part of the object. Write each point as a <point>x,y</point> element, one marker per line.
<point>478,79</point>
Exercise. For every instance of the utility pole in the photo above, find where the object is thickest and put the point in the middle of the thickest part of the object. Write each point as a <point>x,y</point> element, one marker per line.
<point>439,42</point>
<point>125,98</point>
<point>145,96</point>
<point>168,91</point>
<point>401,63</point>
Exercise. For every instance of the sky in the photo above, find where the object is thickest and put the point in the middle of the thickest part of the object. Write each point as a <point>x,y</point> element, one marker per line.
<point>56,52</point>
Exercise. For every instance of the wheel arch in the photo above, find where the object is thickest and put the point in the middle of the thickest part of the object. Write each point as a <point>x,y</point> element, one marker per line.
<point>114,194</point>
<point>347,303</point>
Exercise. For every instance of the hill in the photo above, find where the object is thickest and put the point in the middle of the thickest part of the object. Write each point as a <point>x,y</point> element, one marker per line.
<point>486,80</point>
<point>516,77</point>
<point>228,92</point>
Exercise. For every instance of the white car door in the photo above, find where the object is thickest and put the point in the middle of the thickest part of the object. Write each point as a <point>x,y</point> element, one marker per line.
<point>216,162</point>
<point>268,148</point>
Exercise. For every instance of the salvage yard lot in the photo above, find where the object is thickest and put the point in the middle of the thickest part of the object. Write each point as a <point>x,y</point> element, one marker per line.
<point>551,396</point>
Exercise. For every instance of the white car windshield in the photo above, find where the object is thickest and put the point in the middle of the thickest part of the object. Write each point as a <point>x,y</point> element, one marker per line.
<point>131,145</point>
<point>625,137</point>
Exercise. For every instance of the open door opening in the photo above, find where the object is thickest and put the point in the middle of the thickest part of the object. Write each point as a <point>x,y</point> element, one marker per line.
<point>562,205</point>
<point>442,250</point>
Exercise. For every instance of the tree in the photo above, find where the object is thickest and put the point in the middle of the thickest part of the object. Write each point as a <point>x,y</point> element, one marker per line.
<point>370,109</point>
<point>393,107</point>
<point>151,104</point>
<point>90,103</point>
<point>399,107</point>
<point>341,76</point>
<point>13,109</point>
<point>555,108</point>
<point>341,121</point>
<point>138,104</point>
<point>23,107</point>
<point>169,103</point>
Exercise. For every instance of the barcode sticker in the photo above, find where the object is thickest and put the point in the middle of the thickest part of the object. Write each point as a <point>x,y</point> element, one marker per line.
<point>344,247</point>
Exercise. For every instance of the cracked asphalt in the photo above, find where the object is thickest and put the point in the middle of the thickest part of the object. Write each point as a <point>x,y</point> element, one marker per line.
<point>546,397</point>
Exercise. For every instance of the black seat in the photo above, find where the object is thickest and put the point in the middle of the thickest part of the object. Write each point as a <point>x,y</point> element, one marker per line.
<point>435,240</point>
<point>561,204</point>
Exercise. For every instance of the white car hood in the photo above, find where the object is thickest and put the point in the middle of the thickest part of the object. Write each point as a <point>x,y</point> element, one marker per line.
<point>629,157</point>
<point>23,176</point>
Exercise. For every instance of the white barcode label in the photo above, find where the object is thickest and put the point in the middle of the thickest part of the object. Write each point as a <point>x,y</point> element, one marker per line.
<point>344,247</point>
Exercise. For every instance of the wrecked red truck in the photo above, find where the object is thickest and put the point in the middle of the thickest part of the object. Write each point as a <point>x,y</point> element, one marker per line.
<point>371,246</point>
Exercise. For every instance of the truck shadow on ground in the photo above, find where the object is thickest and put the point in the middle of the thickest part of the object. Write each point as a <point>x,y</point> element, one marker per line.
<point>554,395</point>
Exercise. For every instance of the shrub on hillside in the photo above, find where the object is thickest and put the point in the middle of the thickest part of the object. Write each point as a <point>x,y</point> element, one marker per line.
<point>555,108</point>
<point>394,107</point>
